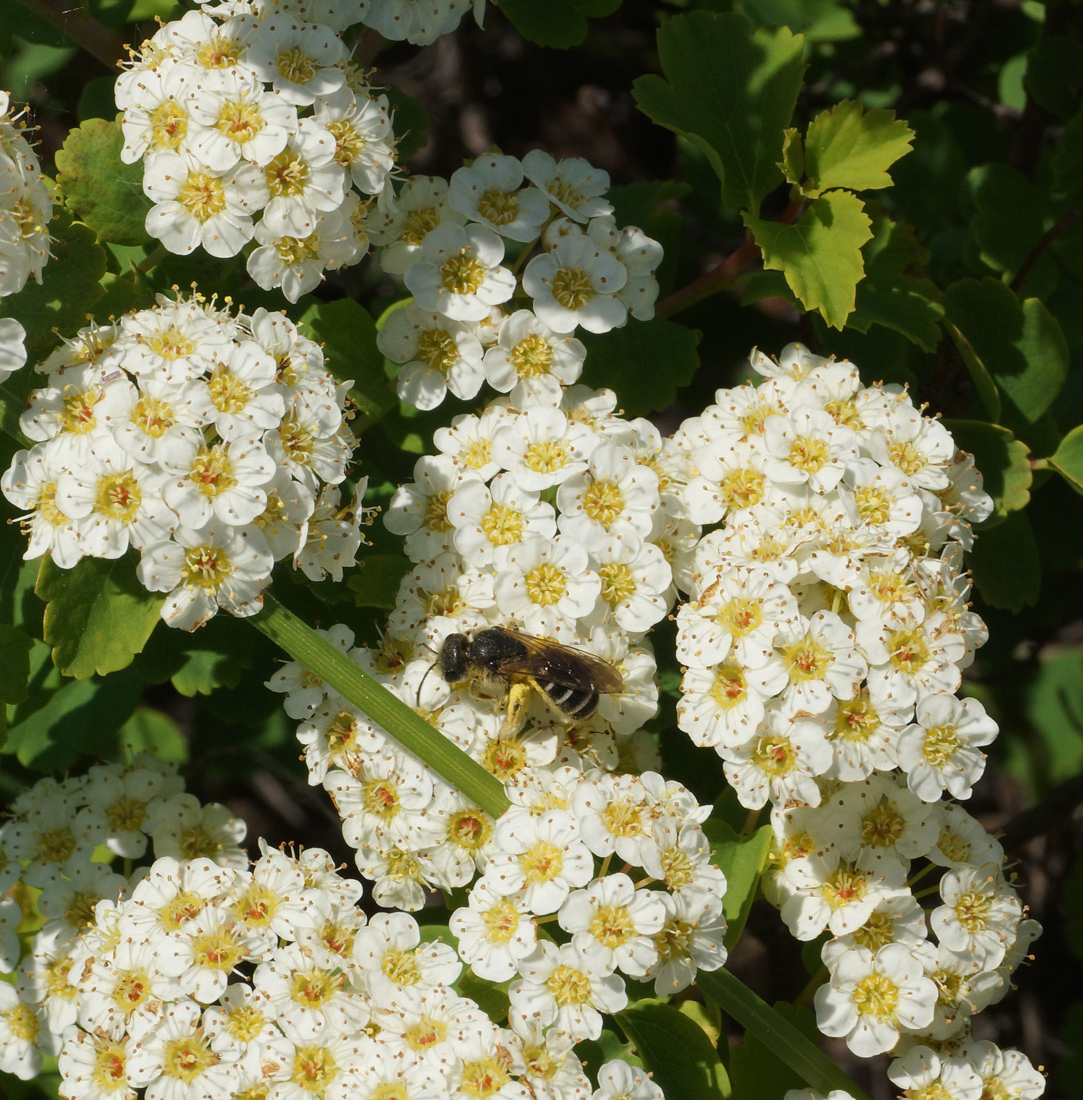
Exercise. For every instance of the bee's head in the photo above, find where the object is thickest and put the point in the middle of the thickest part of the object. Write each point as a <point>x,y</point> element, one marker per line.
<point>454,659</point>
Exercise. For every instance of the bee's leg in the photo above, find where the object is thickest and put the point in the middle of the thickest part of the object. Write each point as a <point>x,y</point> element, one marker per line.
<point>517,702</point>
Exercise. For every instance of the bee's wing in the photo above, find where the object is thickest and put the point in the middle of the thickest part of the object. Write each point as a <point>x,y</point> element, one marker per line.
<point>551,662</point>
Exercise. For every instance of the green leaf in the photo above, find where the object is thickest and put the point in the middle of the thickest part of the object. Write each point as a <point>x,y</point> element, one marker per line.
<point>69,288</point>
<point>348,334</point>
<point>742,860</point>
<point>1068,459</point>
<point>1002,460</point>
<point>849,147</point>
<point>894,293</point>
<point>1020,343</point>
<point>1052,700</point>
<point>15,649</point>
<point>99,615</point>
<point>1006,566</point>
<point>82,717</point>
<point>731,91</point>
<point>775,1028</point>
<point>1007,223</point>
<point>820,255</point>
<point>153,732</point>
<point>979,373</point>
<point>757,1071</point>
<point>793,156</point>
<point>659,1032</point>
<point>104,192</point>
<point>556,23</point>
<point>376,583</point>
<point>644,363</point>
<point>817,20</point>
<point>1055,73</point>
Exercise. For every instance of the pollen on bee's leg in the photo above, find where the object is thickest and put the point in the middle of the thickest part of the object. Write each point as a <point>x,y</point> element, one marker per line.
<point>517,702</point>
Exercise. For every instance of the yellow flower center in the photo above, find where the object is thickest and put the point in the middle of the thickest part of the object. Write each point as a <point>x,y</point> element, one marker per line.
<point>572,287</point>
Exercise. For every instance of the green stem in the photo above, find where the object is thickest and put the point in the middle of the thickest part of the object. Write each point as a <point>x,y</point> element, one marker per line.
<point>411,731</point>
<point>152,259</point>
<point>776,1033</point>
<point>11,409</point>
<point>84,30</point>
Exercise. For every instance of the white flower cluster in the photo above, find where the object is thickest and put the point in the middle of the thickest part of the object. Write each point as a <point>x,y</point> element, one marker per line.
<point>214,444</point>
<point>53,841</point>
<point>199,977</point>
<point>447,241</point>
<point>824,636</point>
<point>255,110</point>
<point>26,208</point>
<point>553,521</point>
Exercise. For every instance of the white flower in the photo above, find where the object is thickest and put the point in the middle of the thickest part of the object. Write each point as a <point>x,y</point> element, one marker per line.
<point>742,610</point>
<point>979,914</point>
<point>778,763</point>
<point>364,141</point>
<point>195,206</point>
<point>573,185</point>
<point>542,447</point>
<point>237,118</point>
<point>576,283</point>
<point>494,933</point>
<point>500,514</point>
<point>19,1053</point>
<point>30,483</point>
<point>807,446</point>
<point>404,19</point>
<point>530,355</point>
<point>402,221</point>
<point>12,347</point>
<point>545,584</point>
<point>620,920</point>
<point>437,353</point>
<point>640,255</point>
<point>94,1067</point>
<point>458,272</point>
<point>619,1081</point>
<point>568,987</point>
<point>869,998</point>
<point>941,751</point>
<point>218,482</point>
<point>303,181</point>
<point>299,59</point>
<point>542,856</point>
<point>115,500</point>
<point>614,496</point>
<point>490,191</point>
<point>207,569</point>
<point>636,582</point>
<point>183,828</point>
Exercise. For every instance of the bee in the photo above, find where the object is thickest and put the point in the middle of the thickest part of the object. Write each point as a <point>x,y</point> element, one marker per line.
<point>511,666</point>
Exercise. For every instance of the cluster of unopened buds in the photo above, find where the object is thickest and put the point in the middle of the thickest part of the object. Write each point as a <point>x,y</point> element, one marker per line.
<point>25,211</point>
<point>824,636</point>
<point>212,443</point>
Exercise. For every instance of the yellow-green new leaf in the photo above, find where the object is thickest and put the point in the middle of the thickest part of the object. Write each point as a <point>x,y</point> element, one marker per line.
<point>820,255</point>
<point>853,148</point>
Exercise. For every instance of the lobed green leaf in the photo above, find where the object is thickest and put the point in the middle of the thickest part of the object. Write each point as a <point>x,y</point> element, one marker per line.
<point>820,254</point>
<point>731,91</point>
<point>99,187</point>
<point>1068,458</point>
<point>742,860</point>
<point>15,649</point>
<point>98,616</point>
<point>849,147</point>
